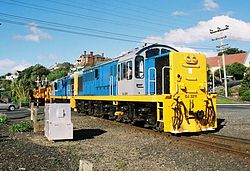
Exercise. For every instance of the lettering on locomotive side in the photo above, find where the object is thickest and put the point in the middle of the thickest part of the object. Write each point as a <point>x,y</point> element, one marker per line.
<point>192,96</point>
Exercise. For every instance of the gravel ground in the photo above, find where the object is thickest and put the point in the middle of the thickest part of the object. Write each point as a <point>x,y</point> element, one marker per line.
<point>109,147</point>
<point>234,120</point>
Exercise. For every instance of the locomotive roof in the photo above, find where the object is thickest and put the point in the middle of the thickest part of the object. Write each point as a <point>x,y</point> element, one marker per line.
<point>131,53</point>
<point>138,51</point>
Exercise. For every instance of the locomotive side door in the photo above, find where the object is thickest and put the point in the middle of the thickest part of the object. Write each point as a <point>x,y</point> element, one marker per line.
<point>162,75</point>
<point>157,74</point>
<point>139,75</point>
<point>125,77</point>
<point>130,76</point>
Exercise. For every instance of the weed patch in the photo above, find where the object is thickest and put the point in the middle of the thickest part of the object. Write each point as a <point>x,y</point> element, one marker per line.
<point>54,161</point>
<point>3,119</point>
<point>23,126</point>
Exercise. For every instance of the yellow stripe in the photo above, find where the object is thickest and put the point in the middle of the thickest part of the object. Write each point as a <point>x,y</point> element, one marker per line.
<point>137,98</point>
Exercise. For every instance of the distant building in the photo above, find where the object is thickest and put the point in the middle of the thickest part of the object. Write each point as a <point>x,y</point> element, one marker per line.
<point>216,61</point>
<point>12,76</point>
<point>89,59</point>
<point>54,67</point>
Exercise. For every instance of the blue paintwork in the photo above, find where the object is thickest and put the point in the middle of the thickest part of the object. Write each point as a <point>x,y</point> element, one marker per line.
<point>100,86</point>
<point>150,62</point>
<point>92,85</point>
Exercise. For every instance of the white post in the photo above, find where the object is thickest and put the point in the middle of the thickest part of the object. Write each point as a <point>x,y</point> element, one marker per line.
<point>32,111</point>
<point>85,165</point>
<point>224,68</point>
<point>213,81</point>
<point>35,124</point>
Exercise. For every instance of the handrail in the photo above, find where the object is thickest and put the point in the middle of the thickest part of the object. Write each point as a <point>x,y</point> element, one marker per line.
<point>111,82</point>
<point>149,80</point>
<point>162,77</point>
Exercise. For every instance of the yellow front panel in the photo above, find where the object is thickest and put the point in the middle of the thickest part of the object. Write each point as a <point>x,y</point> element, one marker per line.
<point>187,76</point>
<point>188,79</point>
<point>75,83</point>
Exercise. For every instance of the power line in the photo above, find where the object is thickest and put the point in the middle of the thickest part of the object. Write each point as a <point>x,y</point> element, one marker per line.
<point>70,26</point>
<point>72,32</point>
<point>73,26</point>
<point>126,35</point>
<point>108,13</point>
<point>87,34</point>
<point>78,15</point>
<point>142,6</point>
<point>159,18</point>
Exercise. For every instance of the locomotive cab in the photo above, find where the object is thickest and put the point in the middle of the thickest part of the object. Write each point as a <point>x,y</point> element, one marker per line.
<point>141,70</point>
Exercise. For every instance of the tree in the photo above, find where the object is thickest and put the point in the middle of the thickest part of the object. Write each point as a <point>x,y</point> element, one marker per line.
<point>237,70</point>
<point>58,73</point>
<point>20,90</point>
<point>25,82</point>
<point>231,51</point>
<point>245,84</point>
<point>5,84</point>
<point>34,71</point>
<point>62,71</point>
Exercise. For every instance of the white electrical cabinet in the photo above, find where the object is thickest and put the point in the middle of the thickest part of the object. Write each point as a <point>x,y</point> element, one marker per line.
<point>58,125</point>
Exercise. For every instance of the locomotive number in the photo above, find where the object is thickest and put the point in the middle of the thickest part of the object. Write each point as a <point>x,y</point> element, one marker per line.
<point>191,96</point>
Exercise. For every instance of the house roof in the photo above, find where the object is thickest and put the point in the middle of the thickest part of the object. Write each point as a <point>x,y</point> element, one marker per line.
<point>229,59</point>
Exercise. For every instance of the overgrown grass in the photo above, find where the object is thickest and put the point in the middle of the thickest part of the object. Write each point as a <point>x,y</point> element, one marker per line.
<point>54,161</point>
<point>3,119</point>
<point>121,166</point>
<point>22,126</point>
<point>223,100</point>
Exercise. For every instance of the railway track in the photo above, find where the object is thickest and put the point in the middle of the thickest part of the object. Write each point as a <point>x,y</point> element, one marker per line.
<point>233,145</point>
<point>237,146</point>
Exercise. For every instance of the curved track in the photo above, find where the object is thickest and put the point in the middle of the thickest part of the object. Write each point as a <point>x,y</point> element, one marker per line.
<point>232,145</point>
<point>228,144</point>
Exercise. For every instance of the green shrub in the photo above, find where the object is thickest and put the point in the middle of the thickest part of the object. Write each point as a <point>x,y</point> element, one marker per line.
<point>246,96</point>
<point>245,85</point>
<point>23,126</point>
<point>3,119</point>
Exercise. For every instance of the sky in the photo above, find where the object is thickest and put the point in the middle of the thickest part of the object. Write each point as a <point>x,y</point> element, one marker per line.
<point>54,31</point>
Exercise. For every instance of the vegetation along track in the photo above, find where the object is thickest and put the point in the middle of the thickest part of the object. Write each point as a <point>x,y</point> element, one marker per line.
<point>233,145</point>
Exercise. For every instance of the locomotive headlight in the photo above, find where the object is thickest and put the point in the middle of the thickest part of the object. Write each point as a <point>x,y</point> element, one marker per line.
<point>195,60</point>
<point>188,59</point>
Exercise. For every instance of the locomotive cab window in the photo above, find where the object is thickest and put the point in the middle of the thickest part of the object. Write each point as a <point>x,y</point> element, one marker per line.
<point>119,72</point>
<point>139,67</point>
<point>55,86</point>
<point>164,51</point>
<point>96,74</point>
<point>80,84</point>
<point>152,52</point>
<point>129,70</point>
<point>123,70</point>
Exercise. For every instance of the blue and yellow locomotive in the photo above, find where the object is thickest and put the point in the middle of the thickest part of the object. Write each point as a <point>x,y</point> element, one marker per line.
<point>154,85</point>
